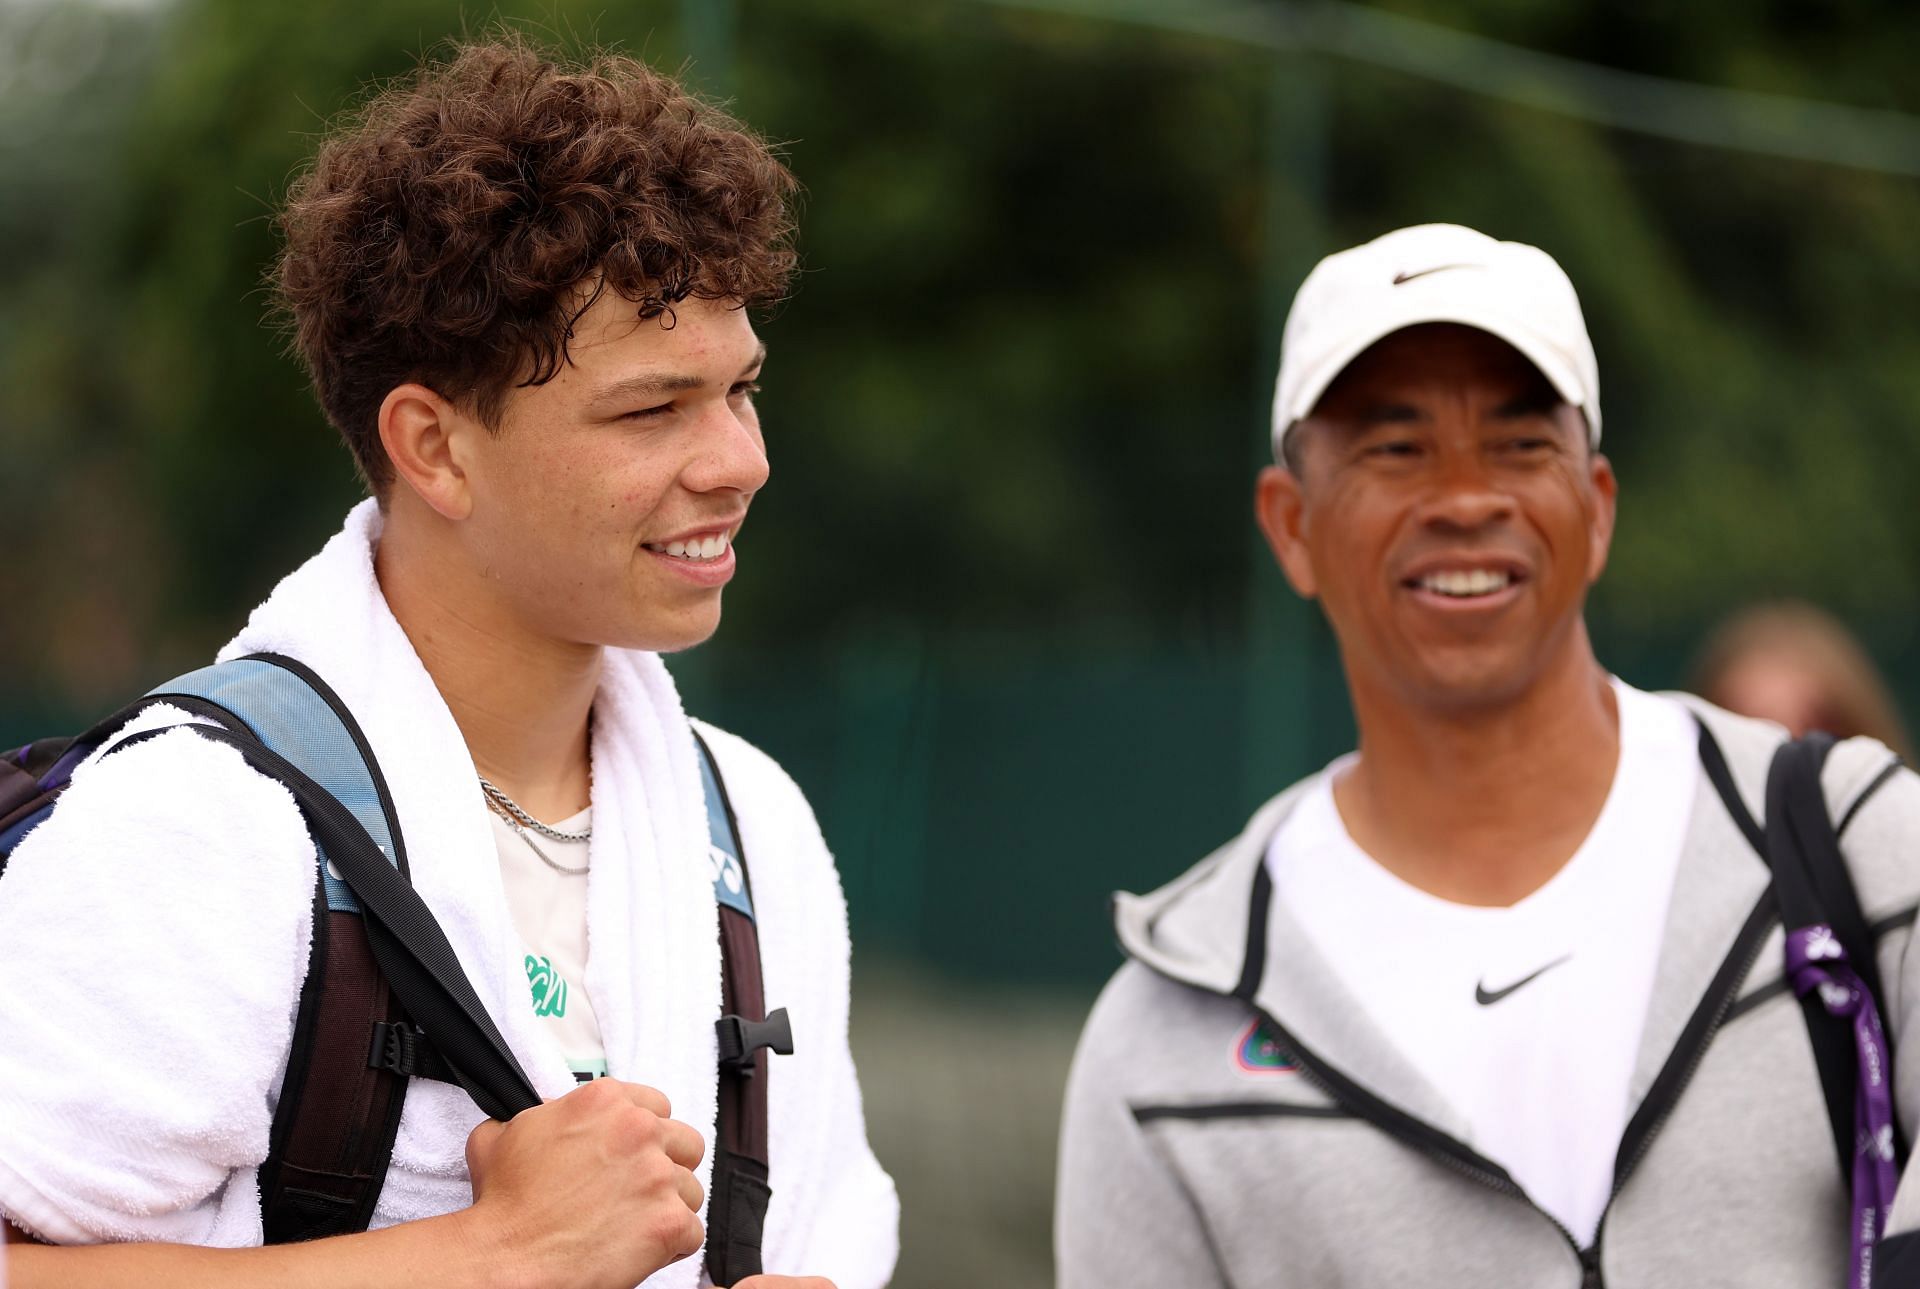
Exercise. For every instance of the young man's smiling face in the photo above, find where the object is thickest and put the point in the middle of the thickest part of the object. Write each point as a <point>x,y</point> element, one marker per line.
<point>605,506</point>
<point>1449,516</point>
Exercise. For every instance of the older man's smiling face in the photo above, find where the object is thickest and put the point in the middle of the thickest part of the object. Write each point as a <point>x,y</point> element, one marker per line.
<point>1448,514</point>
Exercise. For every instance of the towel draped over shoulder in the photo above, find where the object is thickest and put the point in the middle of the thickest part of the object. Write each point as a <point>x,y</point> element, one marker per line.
<point>154,934</point>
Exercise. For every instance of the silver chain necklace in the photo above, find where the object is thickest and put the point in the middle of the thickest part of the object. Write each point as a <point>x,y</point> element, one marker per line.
<point>520,821</point>
<point>507,808</point>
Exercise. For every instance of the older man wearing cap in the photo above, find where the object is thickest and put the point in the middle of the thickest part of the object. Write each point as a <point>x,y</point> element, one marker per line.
<point>1496,999</point>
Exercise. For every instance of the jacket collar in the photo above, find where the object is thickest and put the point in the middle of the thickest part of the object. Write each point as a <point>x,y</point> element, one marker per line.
<point>1206,929</point>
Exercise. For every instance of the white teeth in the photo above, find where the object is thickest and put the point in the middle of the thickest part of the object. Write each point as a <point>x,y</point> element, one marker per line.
<point>1467,582</point>
<point>703,548</point>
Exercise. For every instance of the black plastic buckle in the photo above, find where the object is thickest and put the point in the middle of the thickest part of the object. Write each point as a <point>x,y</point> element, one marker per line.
<point>741,1038</point>
<point>393,1048</point>
<point>405,1049</point>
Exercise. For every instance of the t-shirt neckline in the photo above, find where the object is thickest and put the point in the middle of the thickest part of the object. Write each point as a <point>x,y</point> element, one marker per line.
<point>1635,752</point>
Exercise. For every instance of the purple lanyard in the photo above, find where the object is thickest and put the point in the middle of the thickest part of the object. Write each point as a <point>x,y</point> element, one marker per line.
<point>1815,961</point>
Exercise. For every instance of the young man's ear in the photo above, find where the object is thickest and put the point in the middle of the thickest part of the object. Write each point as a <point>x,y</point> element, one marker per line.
<point>429,443</point>
<point>1280,510</point>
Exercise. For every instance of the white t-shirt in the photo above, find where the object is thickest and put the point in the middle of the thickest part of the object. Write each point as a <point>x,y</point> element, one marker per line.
<point>1527,1019</point>
<point>549,910</point>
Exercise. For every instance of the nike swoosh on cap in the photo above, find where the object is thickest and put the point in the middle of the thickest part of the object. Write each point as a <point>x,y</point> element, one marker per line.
<point>1488,997</point>
<point>1401,279</point>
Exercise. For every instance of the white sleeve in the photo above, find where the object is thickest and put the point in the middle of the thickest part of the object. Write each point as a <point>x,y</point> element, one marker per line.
<point>154,934</point>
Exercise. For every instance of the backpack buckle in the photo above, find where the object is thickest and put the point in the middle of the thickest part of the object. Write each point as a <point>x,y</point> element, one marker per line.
<point>741,1039</point>
<point>400,1048</point>
<point>393,1048</point>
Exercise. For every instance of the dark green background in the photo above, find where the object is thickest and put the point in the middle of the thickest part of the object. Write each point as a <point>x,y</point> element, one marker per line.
<point>1002,611</point>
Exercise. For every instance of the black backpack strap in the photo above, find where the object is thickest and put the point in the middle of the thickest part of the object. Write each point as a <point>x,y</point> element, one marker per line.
<point>33,777</point>
<point>1793,852</point>
<point>1817,843</point>
<point>740,1194</point>
<point>337,1116</point>
<point>1813,885</point>
<point>339,1112</point>
<point>407,944</point>
<point>355,1043</point>
<point>1896,1261</point>
<point>335,1123</point>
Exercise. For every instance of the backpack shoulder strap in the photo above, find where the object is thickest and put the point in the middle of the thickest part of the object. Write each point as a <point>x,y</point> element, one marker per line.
<point>334,1126</point>
<point>1813,885</point>
<point>290,710</point>
<point>1819,887</point>
<point>737,1209</point>
<point>377,950</point>
<point>378,957</point>
<point>33,777</point>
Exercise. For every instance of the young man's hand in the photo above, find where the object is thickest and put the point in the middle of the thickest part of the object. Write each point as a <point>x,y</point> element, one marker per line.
<point>595,1188</point>
<point>592,1191</point>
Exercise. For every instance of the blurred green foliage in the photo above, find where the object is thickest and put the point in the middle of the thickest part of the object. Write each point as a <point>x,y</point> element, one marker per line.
<point>1002,612</point>
<point>998,607</point>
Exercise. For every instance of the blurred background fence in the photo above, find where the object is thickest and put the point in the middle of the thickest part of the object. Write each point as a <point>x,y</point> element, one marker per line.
<point>1002,612</point>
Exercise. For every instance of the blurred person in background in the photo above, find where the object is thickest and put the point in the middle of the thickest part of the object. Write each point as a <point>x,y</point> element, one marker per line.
<point>521,286</point>
<point>1495,999</point>
<point>1795,664</point>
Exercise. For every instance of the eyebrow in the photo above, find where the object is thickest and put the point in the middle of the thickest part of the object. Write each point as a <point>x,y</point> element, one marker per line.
<point>1533,403</point>
<point>655,383</point>
<point>1386,412</point>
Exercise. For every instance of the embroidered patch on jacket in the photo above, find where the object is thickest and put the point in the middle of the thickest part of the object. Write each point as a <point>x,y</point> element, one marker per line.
<point>1257,1052</point>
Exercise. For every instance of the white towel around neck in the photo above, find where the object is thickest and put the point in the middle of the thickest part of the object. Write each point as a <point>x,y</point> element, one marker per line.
<point>114,1123</point>
<point>650,907</point>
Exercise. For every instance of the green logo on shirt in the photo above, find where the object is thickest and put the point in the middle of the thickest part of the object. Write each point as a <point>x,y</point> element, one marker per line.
<point>549,987</point>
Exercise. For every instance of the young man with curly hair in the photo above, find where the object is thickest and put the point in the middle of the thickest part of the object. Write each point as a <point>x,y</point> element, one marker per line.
<point>522,291</point>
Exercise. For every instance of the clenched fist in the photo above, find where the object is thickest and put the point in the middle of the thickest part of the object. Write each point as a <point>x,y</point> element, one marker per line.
<point>592,1191</point>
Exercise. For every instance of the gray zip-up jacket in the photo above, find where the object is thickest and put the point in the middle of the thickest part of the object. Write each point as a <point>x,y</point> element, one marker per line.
<point>1186,1162</point>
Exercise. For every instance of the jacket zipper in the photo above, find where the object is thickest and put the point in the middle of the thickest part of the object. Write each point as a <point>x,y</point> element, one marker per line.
<point>1428,1141</point>
<point>1457,1156</point>
<point>1748,958</point>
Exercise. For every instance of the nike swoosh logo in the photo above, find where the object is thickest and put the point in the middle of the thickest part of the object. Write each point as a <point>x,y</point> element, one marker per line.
<point>1488,997</point>
<point>1401,279</point>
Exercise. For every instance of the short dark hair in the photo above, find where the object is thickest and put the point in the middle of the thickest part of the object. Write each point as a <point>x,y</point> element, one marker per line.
<point>1290,454</point>
<point>446,232</point>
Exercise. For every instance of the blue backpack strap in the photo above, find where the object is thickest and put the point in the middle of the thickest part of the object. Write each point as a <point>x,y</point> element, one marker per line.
<point>724,851</point>
<point>33,777</point>
<point>281,703</point>
<point>287,707</point>
<point>344,1089</point>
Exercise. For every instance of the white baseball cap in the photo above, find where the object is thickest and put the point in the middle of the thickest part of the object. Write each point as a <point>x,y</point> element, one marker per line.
<point>1433,273</point>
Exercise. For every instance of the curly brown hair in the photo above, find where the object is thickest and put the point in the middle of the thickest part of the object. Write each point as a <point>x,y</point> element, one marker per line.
<point>454,228</point>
